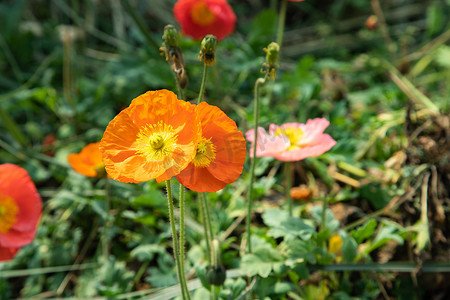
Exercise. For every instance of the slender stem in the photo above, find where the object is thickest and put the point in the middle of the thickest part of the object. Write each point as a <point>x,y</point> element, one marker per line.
<point>182,239</point>
<point>202,87</point>
<point>383,27</point>
<point>259,82</point>
<point>106,240</point>
<point>179,89</point>
<point>213,292</point>
<point>288,187</point>
<point>176,252</point>
<point>281,21</point>
<point>205,228</point>
<point>67,73</point>
<point>324,212</point>
<point>208,217</point>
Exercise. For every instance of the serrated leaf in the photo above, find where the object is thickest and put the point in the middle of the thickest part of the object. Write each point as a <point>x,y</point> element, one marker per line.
<point>281,225</point>
<point>261,262</point>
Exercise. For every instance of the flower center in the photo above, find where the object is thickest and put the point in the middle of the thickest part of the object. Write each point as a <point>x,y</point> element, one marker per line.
<point>8,212</point>
<point>206,153</point>
<point>294,135</point>
<point>156,141</point>
<point>201,14</point>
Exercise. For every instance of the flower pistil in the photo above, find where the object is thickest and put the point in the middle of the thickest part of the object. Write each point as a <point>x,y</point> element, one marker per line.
<point>201,14</point>
<point>206,153</point>
<point>156,141</point>
<point>8,212</point>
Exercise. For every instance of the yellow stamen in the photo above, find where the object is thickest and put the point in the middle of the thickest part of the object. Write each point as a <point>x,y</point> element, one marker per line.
<point>294,135</point>
<point>8,212</point>
<point>201,14</point>
<point>156,141</point>
<point>206,153</point>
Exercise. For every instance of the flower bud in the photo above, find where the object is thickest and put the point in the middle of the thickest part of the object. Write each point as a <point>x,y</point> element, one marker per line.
<point>272,53</point>
<point>208,49</point>
<point>170,36</point>
<point>173,54</point>
<point>216,275</point>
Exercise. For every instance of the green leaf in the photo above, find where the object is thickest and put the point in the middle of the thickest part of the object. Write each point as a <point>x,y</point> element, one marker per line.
<point>235,287</point>
<point>281,225</point>
<point>261,262</point>
<point>349,249</point>
<point>146,252</point>
<point>330,222</point>
<point>365,231</point>
<point>376,195</point>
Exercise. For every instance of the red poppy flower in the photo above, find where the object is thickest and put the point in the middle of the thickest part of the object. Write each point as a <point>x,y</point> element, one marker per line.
<point>198,18</point>
<point>220,155</point>
<point>20,210</point>
<point>88,162</point>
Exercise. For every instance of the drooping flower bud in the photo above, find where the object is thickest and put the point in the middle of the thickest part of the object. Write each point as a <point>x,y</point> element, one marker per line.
<point>173,54</point>
<point>170,36</point>
<point>272,53</point>
<point>208,49</point>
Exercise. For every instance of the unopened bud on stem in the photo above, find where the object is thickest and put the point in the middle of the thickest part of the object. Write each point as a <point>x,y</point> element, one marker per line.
<point>272,53</point>
<point>208,49</point>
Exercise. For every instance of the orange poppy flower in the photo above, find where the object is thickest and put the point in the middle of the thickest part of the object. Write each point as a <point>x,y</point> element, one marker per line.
<point>154,138</point>
<point>220,155</point>
<point>20,210</point>
<point>88,162</point>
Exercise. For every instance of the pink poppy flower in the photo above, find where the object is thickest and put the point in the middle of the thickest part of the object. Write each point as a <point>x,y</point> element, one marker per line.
<point>292,141</point>
<point>20,210</point>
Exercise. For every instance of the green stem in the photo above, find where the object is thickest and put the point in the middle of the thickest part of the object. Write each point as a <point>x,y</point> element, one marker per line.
<point>176,252</point>
<point>288,187</point>
<point>182,239</point>
<point>259,82</point>
<point>324,212</point>
<point>208,227</point>
<point>106,241</point>
<point>203,85</point>
<point>281,21</point>
<point>205,228</point>
<point>180,92</point>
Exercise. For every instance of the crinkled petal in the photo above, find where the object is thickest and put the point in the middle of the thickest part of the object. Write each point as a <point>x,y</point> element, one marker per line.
<point>267,145</point>
<point>327,142</point>
<point>313,131</point>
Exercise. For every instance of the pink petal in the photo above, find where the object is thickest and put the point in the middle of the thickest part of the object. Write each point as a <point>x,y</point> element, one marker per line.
<point>326,142</point>
<point>267,145</point>
<point>313,131</point>
<point>274,127</point>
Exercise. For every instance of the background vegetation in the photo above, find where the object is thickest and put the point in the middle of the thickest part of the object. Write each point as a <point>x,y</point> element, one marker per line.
<point>68,67</point>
